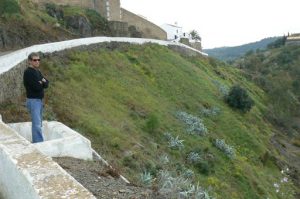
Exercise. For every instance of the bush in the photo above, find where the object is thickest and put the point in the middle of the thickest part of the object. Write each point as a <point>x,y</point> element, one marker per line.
<point>239,98</point>
<point>204,167</point>
<point>97,21</point>
<point>152,124</point>
<point>9,7</point>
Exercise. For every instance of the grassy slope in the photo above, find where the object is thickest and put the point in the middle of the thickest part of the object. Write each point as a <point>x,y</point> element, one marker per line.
<point>110,95</point>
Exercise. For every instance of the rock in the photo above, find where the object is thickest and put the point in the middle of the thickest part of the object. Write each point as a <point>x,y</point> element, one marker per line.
<point>79,24</point>
<point>54,11</point>
<point>122,191</point>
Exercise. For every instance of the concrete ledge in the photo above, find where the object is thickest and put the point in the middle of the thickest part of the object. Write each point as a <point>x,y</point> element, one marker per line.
<point>60,140</point>
<point>28,174</point>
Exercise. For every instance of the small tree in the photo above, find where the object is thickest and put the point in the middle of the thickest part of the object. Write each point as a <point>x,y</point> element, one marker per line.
<point>195,35</point>
<point>239,98</point>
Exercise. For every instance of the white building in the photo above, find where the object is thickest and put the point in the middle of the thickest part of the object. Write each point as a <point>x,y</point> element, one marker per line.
<point>174,32</point>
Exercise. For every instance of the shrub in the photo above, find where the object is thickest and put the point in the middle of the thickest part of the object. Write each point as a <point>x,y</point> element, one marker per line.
<point>9,7</point>
<point>238,98</point>
<point>128,161</point>
<point>204,167</point>
<point>152,124</point>
<point>97,21</point>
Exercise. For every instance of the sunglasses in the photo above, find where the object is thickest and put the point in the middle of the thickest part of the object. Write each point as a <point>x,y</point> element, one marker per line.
<point>36,59</point>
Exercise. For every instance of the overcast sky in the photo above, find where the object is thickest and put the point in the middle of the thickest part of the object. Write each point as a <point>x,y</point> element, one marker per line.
<point>223,22</point>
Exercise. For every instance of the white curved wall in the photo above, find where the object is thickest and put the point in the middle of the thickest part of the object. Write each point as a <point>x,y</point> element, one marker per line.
<point>10,60</point>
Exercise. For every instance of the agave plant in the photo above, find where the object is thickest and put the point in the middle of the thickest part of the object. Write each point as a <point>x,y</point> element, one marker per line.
<point>194,124</point>
<point>146,178</point>
<point>227,149</point>
<point>193,157</point>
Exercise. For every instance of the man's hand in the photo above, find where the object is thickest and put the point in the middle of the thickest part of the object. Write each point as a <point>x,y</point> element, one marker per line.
<point>40,82</point>
<point>44,80</point>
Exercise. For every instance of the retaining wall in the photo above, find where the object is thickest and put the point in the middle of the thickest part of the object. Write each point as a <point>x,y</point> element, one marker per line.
<point>12,65</point>
<point>26,173</point>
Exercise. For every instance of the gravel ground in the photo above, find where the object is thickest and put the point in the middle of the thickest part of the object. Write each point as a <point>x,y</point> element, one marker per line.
<point>102,181</point>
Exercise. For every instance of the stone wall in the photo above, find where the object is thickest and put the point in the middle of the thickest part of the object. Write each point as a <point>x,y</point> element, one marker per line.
<point>119,28</point>
<point>149,29</point>
<point>11,83</point>
<point>13,65</point>
<point>114,10</point>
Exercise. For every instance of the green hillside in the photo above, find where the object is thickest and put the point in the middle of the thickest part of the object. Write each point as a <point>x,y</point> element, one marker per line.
<point>132,101</point>
<point>232,53</point>
<point>276,70</point>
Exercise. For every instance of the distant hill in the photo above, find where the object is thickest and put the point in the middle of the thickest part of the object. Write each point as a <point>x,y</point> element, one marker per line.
<point>231,53</point>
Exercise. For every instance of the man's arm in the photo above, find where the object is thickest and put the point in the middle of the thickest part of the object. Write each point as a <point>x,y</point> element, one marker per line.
<point>45,82</point>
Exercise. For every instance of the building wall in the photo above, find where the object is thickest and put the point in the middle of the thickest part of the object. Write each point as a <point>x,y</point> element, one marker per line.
<point>149,29</point>
<point>173,32</point>
<point>114,10</point>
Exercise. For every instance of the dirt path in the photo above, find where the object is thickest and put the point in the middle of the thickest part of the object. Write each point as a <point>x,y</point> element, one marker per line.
<point>4,53</point>
<point>292,156</point>
<point>102,181</point>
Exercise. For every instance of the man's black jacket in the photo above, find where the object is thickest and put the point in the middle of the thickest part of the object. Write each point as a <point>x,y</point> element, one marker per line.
<point>32,81</point>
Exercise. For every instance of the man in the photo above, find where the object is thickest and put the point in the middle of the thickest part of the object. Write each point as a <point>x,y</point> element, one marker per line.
<point>35,83</point>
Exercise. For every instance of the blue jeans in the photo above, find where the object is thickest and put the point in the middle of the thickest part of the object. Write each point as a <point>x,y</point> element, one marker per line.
<point>35,108</point>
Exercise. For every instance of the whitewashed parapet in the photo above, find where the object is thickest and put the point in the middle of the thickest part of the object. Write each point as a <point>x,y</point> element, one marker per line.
<point>26,173</point>
<point>10,60</point>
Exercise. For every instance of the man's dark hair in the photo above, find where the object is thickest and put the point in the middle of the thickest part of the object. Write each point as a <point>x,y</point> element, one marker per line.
<point>33,54</point>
